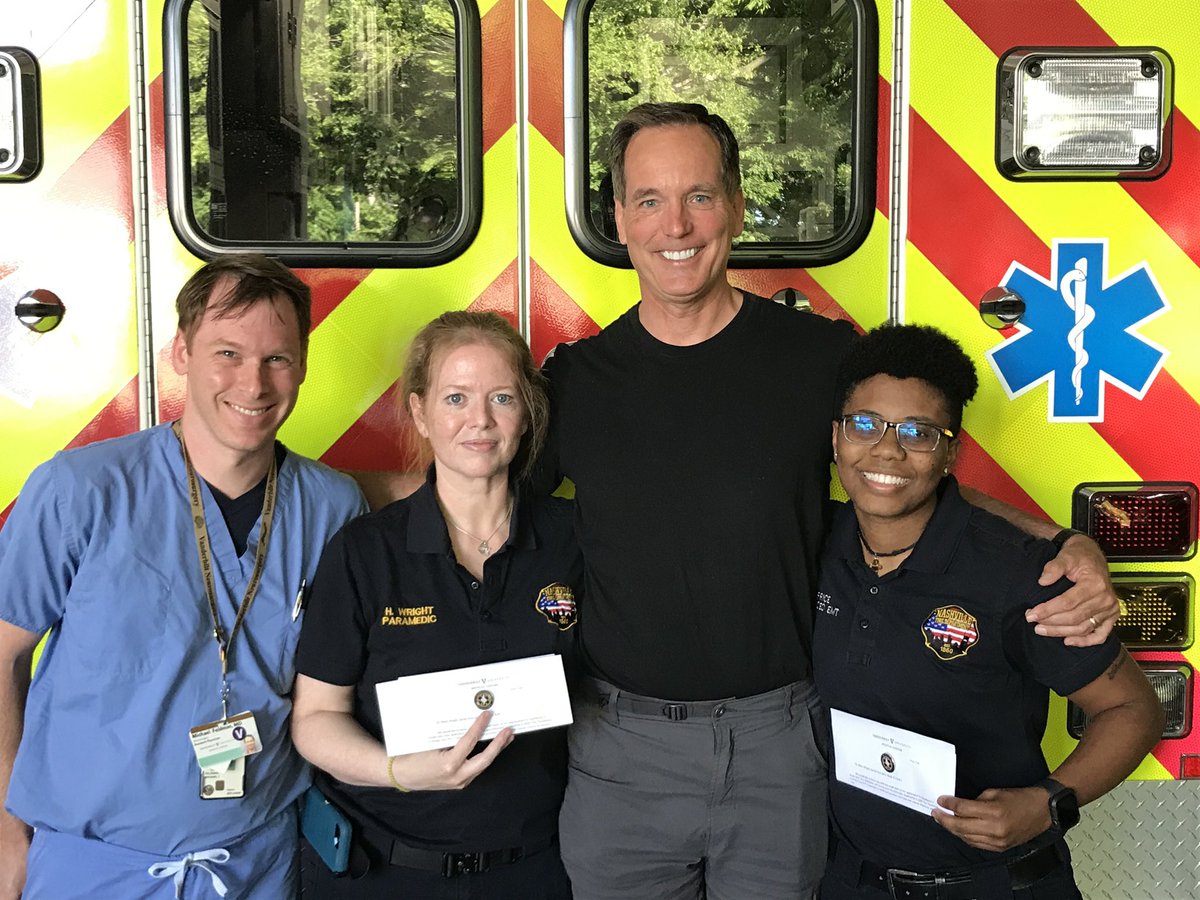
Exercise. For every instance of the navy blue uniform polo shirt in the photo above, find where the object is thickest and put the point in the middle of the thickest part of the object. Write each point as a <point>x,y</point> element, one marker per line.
<point>389,599</point>
<point>940,646</point>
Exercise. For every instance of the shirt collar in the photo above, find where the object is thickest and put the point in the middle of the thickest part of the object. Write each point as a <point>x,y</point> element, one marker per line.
<point>938,543</point>
<point>429,532</point>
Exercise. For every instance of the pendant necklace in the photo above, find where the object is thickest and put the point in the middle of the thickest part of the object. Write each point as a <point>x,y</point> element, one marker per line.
<point>876,562</point>
<point>484,547</point>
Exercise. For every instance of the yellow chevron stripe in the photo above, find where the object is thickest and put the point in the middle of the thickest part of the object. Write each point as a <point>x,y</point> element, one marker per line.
<point>558,6</point>
<point>860,283</point>
<point>601,292</point>
<point>1014,432</point>
<point>960,105</point>
<point>1168,24</point>
<point>356,353</point>
<point>884,11</point>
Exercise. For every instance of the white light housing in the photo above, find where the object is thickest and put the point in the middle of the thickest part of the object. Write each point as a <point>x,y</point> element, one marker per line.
<point>1084,113</point>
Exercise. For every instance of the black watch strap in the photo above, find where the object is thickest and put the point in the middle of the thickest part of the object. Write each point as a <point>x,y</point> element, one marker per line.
<point>1065,535</point>
<point>1064,805</point>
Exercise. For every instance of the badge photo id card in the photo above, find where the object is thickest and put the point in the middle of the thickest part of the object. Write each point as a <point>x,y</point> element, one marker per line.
<point>224,781</point>
<point>221,749</point>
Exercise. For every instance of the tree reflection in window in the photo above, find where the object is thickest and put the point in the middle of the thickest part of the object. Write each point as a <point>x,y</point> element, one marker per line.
<point>339,118</point>
<point>780,72</point>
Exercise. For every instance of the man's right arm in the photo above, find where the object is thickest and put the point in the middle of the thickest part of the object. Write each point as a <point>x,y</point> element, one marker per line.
<point>16,657</point>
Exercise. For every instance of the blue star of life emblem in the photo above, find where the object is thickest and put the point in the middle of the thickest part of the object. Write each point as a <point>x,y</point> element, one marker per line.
<point>1079,331</point>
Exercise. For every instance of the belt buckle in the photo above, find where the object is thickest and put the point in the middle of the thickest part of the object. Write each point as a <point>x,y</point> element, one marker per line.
<point>455,864</point>
<point>676,712</point>
<point>904,877</point>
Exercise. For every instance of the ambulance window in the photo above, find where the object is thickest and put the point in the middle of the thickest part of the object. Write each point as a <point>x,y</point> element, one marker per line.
<point>795,80</point>
<point>325,132</point>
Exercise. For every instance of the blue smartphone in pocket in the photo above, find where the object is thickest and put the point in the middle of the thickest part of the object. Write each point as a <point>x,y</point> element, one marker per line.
<point>327,830</point>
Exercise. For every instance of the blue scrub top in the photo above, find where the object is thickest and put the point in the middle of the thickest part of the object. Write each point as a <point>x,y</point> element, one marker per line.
<point>100,551</point>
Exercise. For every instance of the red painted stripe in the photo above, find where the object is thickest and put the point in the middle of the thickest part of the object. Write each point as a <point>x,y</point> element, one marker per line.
<point>555,316</point>
<point>4,515</point>
<point>158,147</point>
<point>1030,23</point>
<point>101,179</point>
<point>501,296</point>
<point>1168,200</point>
<point>976,467</point>
<point>498,31</point>
<point>1171,200</point>
<point>119,416</point>
<point>546,72</point>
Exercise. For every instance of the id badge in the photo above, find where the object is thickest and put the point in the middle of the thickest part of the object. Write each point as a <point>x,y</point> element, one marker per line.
<point>224,781</point>
<point>230,739</point>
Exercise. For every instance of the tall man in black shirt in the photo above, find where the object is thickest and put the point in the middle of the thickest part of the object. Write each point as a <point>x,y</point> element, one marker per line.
<point>696,431</point>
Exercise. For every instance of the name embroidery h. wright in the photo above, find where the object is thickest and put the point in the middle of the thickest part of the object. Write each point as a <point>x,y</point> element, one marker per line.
<point>408,615</point>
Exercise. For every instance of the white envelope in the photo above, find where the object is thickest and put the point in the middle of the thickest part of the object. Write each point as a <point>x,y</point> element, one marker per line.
<point>894,763</point>
<point>433,711</point>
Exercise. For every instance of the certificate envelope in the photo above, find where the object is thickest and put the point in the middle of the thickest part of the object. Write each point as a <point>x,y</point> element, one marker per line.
<point>894,763</point>
<point>433,711</point>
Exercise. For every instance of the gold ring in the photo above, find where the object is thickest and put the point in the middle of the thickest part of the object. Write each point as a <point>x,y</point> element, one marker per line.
<point>1095,624</point>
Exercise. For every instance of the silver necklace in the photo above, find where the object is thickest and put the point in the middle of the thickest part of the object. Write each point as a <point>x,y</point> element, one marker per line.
<point>484,547</point>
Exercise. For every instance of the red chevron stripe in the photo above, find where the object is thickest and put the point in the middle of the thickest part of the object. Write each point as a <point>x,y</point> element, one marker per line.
<point>498,30</point>
<point>1169,199</point>
<point>1030,23</point>
<point>767,282</point>
<point>556,317</point>
<point>546,72</point>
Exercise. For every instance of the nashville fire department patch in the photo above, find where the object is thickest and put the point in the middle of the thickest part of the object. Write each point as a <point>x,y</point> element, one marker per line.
<point>557,603</point>
<point>950,631</point>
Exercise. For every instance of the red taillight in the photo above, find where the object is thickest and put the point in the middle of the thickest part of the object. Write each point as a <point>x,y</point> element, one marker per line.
<point>1138,521</point>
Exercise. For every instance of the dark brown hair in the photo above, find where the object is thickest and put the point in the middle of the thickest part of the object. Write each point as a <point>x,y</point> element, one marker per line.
<point>657,115</point>
<point>254,278</point>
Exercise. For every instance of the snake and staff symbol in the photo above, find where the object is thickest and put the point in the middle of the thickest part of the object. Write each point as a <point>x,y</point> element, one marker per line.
<point>1074,291</point>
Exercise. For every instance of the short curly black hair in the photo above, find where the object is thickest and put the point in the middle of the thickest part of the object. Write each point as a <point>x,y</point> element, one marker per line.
<point>911,351</point>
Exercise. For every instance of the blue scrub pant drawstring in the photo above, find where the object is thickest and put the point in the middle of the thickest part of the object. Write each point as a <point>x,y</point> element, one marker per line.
<point>179,868</point>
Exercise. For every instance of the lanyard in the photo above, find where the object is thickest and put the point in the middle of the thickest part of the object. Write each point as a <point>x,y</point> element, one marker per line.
<point>203,550</point>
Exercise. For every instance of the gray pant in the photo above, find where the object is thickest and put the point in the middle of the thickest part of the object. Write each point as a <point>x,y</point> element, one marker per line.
<point>722,800</point>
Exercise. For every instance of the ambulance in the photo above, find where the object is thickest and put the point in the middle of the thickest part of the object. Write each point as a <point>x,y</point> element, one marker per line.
<point>1024,174</point>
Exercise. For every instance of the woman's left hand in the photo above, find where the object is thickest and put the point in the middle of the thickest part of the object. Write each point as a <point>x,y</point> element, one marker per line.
<point>998,819</point>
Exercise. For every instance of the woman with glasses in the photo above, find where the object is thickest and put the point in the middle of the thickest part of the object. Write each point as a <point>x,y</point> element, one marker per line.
<point>921,627</point>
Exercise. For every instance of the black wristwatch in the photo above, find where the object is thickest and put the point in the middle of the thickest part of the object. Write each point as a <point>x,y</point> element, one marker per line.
<point>1063,536</point>
<point>1064,806</point>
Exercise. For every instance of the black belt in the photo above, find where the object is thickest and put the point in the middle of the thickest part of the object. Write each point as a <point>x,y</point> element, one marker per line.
<point>676,712</point>
<point>452,865</point>
<point>958,885</point>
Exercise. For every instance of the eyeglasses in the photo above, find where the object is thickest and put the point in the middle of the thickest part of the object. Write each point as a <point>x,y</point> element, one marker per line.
<point>864,428</point>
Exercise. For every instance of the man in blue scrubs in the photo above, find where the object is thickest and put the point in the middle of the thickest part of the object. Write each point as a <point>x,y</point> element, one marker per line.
<point>150,754</point>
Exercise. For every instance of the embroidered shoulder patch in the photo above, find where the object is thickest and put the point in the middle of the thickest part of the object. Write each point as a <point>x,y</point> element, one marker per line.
<point>950,631</point>
<point>557,603</point>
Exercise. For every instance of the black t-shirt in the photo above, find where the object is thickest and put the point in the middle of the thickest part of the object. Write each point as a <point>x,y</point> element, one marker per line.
<point>389,599</point>
<point>940,646</point>
<point>701,477</point>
